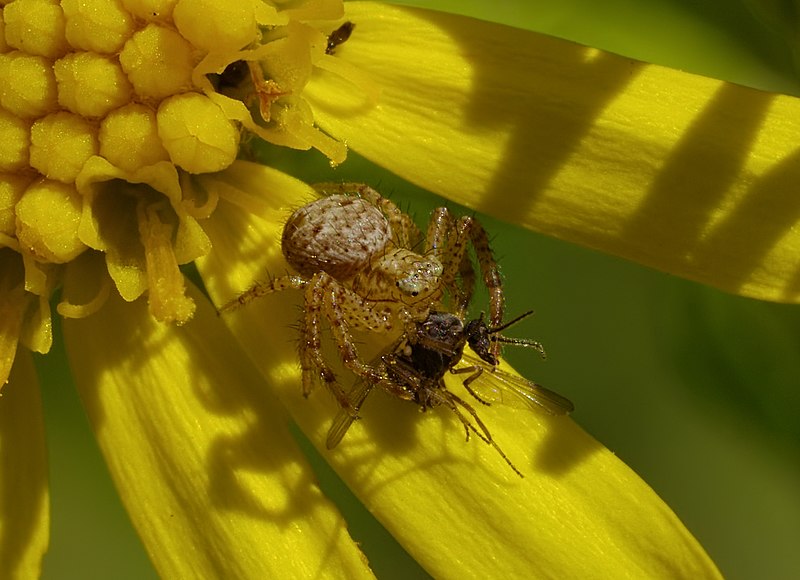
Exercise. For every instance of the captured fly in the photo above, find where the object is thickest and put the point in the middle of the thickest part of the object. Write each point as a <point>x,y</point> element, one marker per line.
<point>414,370</point>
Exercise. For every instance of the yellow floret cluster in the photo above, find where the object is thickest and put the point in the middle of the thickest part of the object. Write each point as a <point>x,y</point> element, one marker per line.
<point>108,78</point>
<point>89,58</point>
<point>107,107</point>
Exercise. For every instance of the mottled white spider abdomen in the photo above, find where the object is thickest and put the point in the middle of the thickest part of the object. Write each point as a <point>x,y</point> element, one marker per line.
<point>338,234</point>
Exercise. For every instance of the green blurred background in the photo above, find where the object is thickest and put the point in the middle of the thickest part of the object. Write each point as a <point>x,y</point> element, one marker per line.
<point>695,390</point>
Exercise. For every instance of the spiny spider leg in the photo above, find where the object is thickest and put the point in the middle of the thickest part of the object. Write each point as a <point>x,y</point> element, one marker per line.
<point>344,342</point>
<point>489,269</point>
<point>445,242</point>
<point>448,239</point>
<point>262,288</point>
<point>325,297</point>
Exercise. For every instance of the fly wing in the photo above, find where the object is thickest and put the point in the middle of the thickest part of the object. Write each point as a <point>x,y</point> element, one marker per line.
<point>341,423</point>
<point>499,383</point>
<point>357,395</point>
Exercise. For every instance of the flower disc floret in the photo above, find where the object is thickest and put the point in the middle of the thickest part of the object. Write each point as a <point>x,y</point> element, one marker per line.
<point>27,85</point>
<point>98,25</point>
<point>13,142</point>
<point>90,84</point>
<point>48,215</point>
<point>158,62</point>
<point>36,27</point>
<point>223,26</point>
<point>60,145</point>
<point>129,138</point>
<point>196,133</point>
<point>150,9</point>
<point>12,186</point>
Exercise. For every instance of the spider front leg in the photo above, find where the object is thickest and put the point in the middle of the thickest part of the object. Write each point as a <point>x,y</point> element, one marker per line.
<point>472,228</point>
<point>343,309</point>
<point>442,240</point>
<point>311,360</point>
<point>262,288</point>
<point>469,230</point>
<point>347,309</point>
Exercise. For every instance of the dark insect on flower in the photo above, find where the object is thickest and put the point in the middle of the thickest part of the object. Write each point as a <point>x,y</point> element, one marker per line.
<point>233,75</point>
<point>415,368</point>
<point>339,36</point>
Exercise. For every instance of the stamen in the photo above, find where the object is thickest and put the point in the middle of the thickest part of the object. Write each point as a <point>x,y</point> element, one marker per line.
<point>167,297</point>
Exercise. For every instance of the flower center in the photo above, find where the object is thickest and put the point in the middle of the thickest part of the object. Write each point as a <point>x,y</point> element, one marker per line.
<point>107,105</point>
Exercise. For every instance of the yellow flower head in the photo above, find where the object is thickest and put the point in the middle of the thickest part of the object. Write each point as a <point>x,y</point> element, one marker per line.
<point>105,107</point>
<point>121,124</point>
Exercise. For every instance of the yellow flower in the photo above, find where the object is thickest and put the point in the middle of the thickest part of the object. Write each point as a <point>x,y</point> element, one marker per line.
<point>119,160</point>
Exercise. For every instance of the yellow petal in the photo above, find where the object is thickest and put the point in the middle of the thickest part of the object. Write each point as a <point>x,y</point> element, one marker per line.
<point>24,315</point>
<point>24,493</point>
<point>456,506</point>
<point>86,286</point>
<point>683,173</point>
<point>13,303</point>
<point>200,452</point>
<point>25,287</point>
